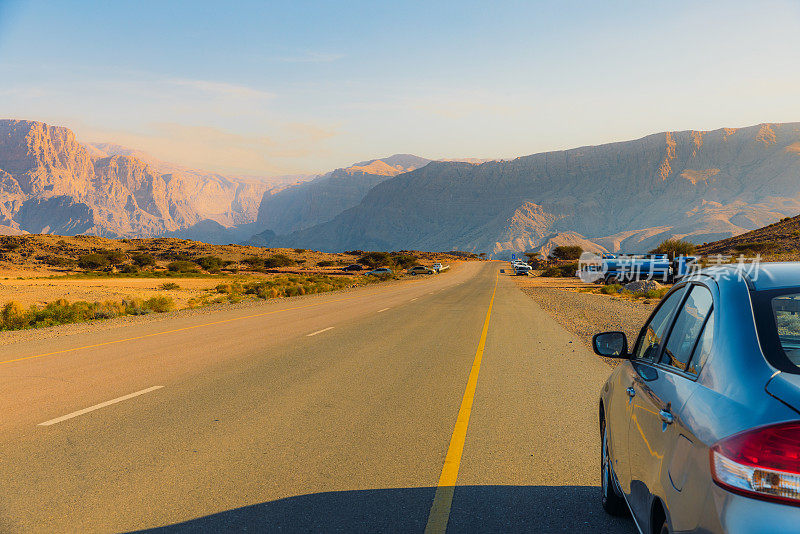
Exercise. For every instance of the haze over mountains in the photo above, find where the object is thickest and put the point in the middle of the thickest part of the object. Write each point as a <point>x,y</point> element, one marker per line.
<point>627,196</point>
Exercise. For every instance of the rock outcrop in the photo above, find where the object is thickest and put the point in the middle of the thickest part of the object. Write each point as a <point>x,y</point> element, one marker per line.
<point>51,183</point>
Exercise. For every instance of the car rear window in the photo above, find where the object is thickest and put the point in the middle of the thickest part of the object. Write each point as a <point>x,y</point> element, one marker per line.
<point>777,314</point>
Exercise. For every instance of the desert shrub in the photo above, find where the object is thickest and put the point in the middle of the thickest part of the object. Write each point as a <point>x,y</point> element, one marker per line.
<point>254,262</point>
<point>299,250</point>
<point>375,259</point>
<point>12,245</point>
<point>404,261</point>
<point>611,289</point>
<point>159,304</point>
<point>278,260</point>
<point>129,268</point>
<point>59,261</point>
<point>183,266</point>
<point>143,260</point>
<point>210,263</point>
<point>325,263</point>
<point>169,286</point>
<point>674,248</point>
<point>92,261</point>
<point>292,285</point>
<point>13,316</point>
<point>565,271</point>
<point>653,293</point>
<point>115,257</point>
<point>227,288</point>
<point>566,252</point>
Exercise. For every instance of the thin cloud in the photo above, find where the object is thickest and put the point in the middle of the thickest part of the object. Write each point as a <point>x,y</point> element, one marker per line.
<point>222,88</point>
<point>311,57</point>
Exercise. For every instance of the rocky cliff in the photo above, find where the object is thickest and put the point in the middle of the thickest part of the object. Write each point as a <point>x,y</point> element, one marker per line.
<point>322,199</point>
<point>51,183</point>
<point>630,195</point>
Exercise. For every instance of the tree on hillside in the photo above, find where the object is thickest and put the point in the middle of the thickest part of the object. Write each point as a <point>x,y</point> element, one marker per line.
<point>375,259</point>
<point>674,248</point>
<point>566,252</point>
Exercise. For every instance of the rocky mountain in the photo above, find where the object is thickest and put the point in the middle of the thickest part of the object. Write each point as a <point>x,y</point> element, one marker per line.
<point>51,183</point>
<point>628,196</point>
<point>322,199</point>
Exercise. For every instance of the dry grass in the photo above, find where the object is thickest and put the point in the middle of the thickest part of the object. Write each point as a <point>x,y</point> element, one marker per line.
<point>29,277</point>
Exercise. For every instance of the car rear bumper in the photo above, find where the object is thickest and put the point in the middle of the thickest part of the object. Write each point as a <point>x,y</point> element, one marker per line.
<point>729,512</point>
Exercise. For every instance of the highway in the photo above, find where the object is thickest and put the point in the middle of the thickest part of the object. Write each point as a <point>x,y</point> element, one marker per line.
<point>450,402</point>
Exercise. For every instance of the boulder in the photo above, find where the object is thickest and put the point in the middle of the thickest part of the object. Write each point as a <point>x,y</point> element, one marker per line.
<point>640,286</point>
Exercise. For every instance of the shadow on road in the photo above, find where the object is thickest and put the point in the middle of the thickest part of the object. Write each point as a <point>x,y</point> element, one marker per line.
<point>475,509</point>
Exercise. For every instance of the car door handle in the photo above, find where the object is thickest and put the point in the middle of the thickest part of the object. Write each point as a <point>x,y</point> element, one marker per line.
<point>631,392</point>
<point>666,417</point>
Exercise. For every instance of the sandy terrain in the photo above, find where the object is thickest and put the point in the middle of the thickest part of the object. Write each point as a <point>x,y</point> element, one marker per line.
<point>27,278</point>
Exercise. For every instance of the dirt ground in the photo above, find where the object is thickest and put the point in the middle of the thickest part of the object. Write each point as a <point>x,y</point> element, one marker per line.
<point>27,277</point>
<point>40,290</point>
<point>584,313</point>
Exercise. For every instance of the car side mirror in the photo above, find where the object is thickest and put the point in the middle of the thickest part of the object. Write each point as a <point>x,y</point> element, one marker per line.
<point>611,345</point>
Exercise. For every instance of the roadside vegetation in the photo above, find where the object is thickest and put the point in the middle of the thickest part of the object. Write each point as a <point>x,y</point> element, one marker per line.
<point>618,289</point>
<point>234,273</point>
<point>15,317</point>
<point>566,252</point>
<point>675,248</point>
<point>566,270</point>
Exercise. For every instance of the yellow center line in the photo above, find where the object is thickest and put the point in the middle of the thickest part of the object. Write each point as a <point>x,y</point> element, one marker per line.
<point>443,500</point>
<point>145,336</point>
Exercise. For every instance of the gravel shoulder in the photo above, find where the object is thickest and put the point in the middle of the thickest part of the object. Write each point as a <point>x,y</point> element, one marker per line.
<point>586,314</point>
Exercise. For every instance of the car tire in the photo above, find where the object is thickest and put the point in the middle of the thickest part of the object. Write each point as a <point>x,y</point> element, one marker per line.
<point>664,528</point>
<point>613,501</point>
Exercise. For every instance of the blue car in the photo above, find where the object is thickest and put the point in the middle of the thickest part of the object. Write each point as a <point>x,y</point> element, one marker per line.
<point>700,424</point>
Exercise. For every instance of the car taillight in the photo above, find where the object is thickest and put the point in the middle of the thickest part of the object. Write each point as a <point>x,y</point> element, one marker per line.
<point>763,463</point>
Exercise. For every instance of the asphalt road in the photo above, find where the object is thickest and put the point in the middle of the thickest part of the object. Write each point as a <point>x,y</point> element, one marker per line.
<point>327,413</point>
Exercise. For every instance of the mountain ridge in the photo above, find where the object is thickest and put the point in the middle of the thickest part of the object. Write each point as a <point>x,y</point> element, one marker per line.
<point>691,184</point>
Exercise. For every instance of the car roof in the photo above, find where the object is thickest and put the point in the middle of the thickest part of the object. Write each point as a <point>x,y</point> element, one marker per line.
<point>758,276</point>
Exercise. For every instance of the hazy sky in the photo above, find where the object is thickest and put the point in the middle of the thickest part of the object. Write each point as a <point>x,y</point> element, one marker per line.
<point>293,87</point>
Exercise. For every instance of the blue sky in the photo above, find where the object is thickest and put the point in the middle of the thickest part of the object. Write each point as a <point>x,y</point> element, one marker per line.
<point>298,87</point>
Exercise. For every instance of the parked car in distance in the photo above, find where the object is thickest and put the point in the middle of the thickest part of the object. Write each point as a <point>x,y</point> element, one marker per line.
<point>379,271</point>
<point>700,424</point>
<point>522,269</point>
<point>420,269</point>
<point>354,267</point>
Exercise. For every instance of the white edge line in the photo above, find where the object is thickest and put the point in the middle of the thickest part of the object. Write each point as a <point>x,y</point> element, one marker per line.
<point>98,406</point>
<point>383,310</point>
<point>319,331</point>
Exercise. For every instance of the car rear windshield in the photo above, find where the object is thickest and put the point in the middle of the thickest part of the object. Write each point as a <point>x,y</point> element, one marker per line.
<point>777,314</point>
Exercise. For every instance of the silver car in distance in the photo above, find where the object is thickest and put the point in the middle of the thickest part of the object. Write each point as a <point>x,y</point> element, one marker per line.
<point>700,424</point>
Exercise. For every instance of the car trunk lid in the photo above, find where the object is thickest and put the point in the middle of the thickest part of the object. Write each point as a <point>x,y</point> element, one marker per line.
<point>786,388</point>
